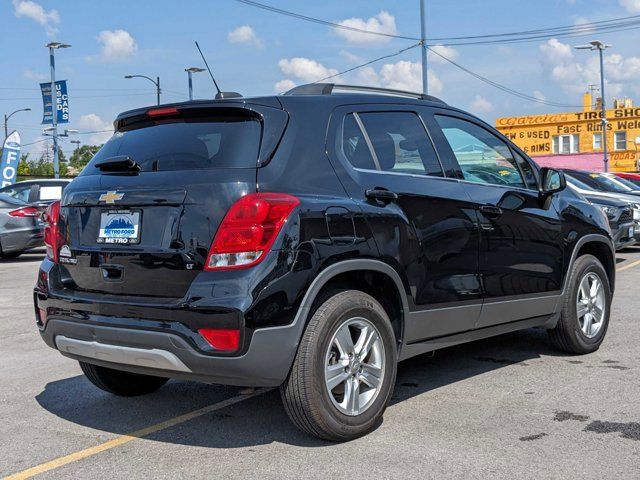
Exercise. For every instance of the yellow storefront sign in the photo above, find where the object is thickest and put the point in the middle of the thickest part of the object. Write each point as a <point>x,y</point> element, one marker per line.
<point>579,132</point>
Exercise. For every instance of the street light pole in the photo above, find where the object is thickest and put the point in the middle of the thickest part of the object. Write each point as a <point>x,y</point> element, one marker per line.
<point>54,107</point>
<point>190,71</point>
<point>156,82</point>
<point>7,117</point>
<point>601,47</point>
<point>423,42</point>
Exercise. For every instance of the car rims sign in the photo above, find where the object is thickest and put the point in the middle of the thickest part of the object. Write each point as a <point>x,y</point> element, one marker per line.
<point>10,159</point>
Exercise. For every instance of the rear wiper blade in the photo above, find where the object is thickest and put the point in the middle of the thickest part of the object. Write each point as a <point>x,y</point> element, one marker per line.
<point>121,163</point>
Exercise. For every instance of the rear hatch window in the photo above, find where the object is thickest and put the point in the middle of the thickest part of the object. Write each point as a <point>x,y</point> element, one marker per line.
<point>224,140</point>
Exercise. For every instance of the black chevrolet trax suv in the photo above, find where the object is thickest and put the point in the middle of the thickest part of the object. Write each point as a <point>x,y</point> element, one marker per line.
<point>311,241</point>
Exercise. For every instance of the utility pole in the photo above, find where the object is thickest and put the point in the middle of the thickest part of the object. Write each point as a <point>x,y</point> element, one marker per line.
<point>156,82</point>
<point>190,71</point>
<point>601,47</point>
<point>423,42</point>
<point>54,107</point>
<point>7,117</point>
<point>77,143</point>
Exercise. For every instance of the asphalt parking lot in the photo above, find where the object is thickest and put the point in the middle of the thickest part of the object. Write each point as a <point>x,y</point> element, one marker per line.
<point>508,407</point>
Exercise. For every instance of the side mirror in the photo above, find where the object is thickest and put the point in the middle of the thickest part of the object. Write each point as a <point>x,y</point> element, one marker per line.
<point>552,181</point>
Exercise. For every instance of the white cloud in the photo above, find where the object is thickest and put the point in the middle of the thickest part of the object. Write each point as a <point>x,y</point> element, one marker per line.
<point>351,58</point>
<point>383,22</point>
<point>93,123</point>
<point>305,69</point>
<point>117,45</point>
<point>283,85</point>
<point>244,35</point>
<point>402,75</point>
<point>481,106</point>
<point>575,72</point>
<point>585,24</point>
<point>632,6</point>
<point>449,52</point>
<point>36,76</point>
<point>539,95</point>
<point>35,11</point>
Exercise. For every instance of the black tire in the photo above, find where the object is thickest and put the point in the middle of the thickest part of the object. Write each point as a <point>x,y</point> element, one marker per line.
<point>567,335</point>
<point>11,255</point>
<point>304,393</point>
<point>121,383</point>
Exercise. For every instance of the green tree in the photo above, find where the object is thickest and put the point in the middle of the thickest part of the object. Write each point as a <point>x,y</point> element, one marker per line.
<point>23,165</point>
<point>81,156</point>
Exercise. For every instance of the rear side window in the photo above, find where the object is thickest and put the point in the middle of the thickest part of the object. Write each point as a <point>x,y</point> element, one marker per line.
<point>482,156</point>
<point>399,143</point>
<point>354,145</point>
<point>224,142</point>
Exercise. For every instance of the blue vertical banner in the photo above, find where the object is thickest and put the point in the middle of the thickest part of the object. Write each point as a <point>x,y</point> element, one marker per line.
<point>10,159</point>
<point>61,102</point>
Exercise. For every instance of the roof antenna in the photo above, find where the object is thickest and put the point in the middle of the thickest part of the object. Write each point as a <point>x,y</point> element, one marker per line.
<point>220,94</point>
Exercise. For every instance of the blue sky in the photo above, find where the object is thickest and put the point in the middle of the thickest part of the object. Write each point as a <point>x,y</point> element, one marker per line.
<point>256,52</point>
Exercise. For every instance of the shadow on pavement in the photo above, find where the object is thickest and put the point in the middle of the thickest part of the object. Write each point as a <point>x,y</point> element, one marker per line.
<point>262,420</point>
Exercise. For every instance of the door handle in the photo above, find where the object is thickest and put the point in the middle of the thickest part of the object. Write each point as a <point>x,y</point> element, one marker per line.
<point>385,196</point>
<point>490,211</point>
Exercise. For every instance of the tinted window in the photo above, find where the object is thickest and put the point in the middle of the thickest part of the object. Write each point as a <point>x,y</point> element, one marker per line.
<point>482,156</point>
<point>354,145</point>
<point>224,142</point>
<point>7,201</point>
<point>20,192</point>
<point>401,143</point>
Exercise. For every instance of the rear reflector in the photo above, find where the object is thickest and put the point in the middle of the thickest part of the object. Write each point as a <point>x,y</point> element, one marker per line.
<point>162,112</point>
<point>25,212</point>
<point>52,237</point>
<point>227,340</point>
<point>249,229</point>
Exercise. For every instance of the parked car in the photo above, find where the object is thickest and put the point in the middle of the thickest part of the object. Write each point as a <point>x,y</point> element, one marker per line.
<point>311,241</point>
<point>603,198</point>
<point>621,221</point>
<point>633,177</point>
<point>604,182</point>
<point>39,193</point>
<point>20,227</point>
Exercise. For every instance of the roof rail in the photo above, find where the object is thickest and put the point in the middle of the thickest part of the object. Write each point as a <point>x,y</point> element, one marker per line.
<point>328,88</point>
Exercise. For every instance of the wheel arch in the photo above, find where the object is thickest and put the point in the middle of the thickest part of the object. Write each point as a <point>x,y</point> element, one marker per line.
<point>371,276</point>
<point>600,247</point>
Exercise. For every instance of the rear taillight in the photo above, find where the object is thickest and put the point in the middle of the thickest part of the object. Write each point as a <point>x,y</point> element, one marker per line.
<point>249,229</point>
<point>52,240</point>
<point>25,212</point>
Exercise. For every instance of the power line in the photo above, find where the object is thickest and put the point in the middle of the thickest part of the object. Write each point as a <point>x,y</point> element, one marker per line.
<point>602,26</point>
<point>504,88</point>
<point>369,62</point>
<point>319,21</point>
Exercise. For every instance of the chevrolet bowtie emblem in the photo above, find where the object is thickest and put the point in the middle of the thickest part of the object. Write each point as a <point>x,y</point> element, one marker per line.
<point>111,197</point>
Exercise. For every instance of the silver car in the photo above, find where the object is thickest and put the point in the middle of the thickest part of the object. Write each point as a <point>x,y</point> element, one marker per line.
<point>20,227</point>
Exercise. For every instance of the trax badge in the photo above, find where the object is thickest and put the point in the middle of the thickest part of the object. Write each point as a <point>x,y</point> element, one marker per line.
<point>111,197</point>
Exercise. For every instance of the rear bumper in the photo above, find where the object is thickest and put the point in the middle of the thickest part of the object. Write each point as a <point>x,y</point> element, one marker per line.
<point>265,364</point>
<point>22,240</point>
<point>161,337</point>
